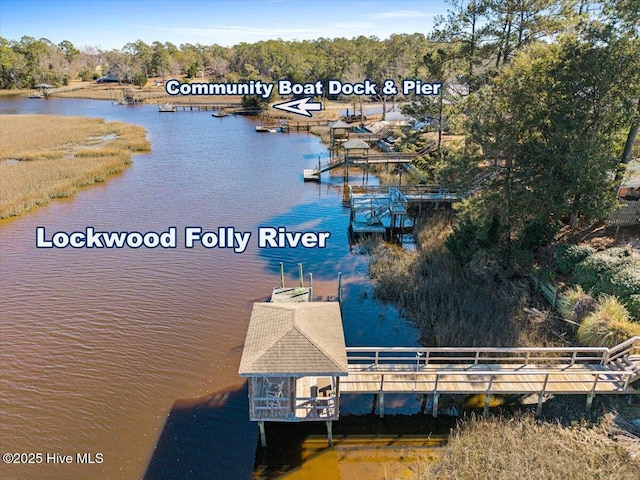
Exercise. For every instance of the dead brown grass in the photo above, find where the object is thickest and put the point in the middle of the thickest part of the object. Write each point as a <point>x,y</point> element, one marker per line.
<point>48,156</point>
<point>452,306</point>
<point>521,447</point>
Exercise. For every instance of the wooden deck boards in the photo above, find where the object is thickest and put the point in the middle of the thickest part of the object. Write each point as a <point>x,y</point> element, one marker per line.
<point>468,379</point>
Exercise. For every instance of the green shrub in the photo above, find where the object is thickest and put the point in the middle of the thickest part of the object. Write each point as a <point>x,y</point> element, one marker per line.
<point>537,233</point>
<point>568,256</point>
<point>632,302</point>
<point>608,325</point>
<point>615,271</point>
<point>469,237</point>
<point>575,304</point>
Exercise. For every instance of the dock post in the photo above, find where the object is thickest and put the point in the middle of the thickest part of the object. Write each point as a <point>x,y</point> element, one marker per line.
<point>311,287</point>
<point>330,432</point>
<point>263,435</point>
<point>300,275</point>
<point>487,398</point>
<point>539,406</point>
<point>592,393</point>
<point>381,398</point>
<point>281,275</point>
<point>434,412</point>
<point>541,396</point>
<point>340,288</point>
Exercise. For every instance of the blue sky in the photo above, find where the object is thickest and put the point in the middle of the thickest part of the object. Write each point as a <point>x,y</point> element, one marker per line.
<point>111,24</point>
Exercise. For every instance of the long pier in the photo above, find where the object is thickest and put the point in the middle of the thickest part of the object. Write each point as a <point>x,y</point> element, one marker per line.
<point>51,92</point>
<point>490,371</point>
<point>378,158</point>
<point>206,106</point>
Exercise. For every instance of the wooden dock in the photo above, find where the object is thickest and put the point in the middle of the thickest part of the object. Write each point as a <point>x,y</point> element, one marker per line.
<point>52,92</point>
<point>491,371</point>
<point>283,294</point>
<point>184,106</point>
<point>365,161</point>
<point>297,365</point>
<point>383,208</point>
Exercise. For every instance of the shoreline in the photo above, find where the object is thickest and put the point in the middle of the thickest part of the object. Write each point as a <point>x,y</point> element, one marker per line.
<point>43,157</point>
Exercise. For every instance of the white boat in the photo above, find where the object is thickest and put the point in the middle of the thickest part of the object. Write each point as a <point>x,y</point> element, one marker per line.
<point>219,114</point>
<point>263,129</point>
<point>167,107</point>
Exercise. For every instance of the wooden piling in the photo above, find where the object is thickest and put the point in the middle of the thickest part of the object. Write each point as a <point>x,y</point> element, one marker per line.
<point>330,432</point>
<point>281,275</point>
<point>263,435</point>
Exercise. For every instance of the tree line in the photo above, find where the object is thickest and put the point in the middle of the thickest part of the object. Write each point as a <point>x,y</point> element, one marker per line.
<point>29,61</point>
<point>545,92</point>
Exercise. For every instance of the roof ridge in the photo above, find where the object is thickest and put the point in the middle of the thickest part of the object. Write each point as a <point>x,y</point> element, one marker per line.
<point>267,346</point>
<point>304,333</point>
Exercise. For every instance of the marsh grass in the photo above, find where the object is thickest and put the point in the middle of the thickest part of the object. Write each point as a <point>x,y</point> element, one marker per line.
<point>453,307</point>
<point>522,447</point>
<point>46,156</point>
<point>575,304</point>
<point>608,325</point>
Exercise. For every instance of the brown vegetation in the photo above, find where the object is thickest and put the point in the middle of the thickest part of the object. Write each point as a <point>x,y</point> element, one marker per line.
<point>45,156</point>
<point>452,306</point>
<point>521,447</point>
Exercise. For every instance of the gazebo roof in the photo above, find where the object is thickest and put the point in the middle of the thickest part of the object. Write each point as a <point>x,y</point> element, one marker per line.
<point>294,339</point>
<point>339,124</point>
<point>355,143</point>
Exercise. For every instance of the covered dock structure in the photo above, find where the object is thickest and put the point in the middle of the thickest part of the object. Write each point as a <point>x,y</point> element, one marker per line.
<point>293,358</point>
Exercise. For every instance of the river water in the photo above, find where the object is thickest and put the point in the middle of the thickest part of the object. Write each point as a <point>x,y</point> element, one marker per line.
<point>133,353</point>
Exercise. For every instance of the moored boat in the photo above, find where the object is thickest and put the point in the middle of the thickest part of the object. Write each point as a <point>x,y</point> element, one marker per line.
<point>167,107</point>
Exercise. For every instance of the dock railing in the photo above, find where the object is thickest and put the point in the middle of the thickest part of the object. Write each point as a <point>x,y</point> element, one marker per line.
<point>489,370</point>
<point>377,359</point>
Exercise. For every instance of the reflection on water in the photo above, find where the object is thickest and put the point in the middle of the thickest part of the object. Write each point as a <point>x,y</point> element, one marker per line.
<point>99,346</point>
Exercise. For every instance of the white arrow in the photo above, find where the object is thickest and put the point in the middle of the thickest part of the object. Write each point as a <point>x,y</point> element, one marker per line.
<point>299,107</point>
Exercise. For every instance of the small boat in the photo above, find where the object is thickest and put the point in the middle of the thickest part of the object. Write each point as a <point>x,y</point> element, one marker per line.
<point>263,129</point>
<point>167,107</point>
<point>219,114</point>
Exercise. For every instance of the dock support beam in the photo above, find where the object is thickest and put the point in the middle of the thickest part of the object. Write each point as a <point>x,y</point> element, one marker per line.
<point>539,406</point>
<point>330,432</point>
<point>541,396</point>
<point>263,435</point>
<point>592,393</point>
<point>487,398</point>
<point>434,412</point>
<point>381,399</point>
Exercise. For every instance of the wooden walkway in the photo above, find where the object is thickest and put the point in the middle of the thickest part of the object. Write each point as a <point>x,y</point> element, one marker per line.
<point>627,215</point>
<point>383,208</point>
<point>381,158</point>
<point>489,371</point>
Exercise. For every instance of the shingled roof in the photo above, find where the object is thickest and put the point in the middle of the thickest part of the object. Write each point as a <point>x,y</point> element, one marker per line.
<point>355,143</point>
<point>294,339</point>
